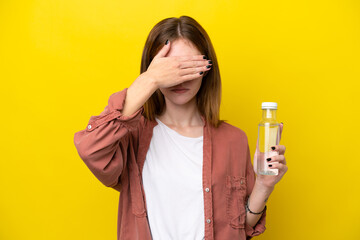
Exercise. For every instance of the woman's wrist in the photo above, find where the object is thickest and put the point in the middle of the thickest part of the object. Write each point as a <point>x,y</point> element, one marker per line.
<point>264,188</point>
<point>249,210</point>
<point>256,202</point>
<point>146,79</point>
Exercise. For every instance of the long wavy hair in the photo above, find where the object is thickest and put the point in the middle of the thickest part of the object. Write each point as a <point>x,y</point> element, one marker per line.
<point>209,95</point>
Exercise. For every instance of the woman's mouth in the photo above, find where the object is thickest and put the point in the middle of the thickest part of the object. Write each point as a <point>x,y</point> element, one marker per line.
<point>180,90</point>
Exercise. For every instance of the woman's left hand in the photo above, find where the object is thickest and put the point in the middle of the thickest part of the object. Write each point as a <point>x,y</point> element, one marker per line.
<point>276,162</point>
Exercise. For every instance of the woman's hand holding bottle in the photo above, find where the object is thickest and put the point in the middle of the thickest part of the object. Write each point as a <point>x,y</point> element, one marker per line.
<point>275,162</point>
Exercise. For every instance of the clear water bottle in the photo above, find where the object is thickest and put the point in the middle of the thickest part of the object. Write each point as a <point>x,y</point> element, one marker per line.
<point>268,136</point>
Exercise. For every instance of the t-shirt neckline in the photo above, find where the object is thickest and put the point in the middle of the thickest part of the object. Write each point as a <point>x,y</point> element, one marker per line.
<point>176,133</point>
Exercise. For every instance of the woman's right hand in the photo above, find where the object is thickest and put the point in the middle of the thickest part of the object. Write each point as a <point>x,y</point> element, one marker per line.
<point>171,71</point>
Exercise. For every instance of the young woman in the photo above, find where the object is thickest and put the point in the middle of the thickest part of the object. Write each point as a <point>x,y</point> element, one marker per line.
<point>182,172</point>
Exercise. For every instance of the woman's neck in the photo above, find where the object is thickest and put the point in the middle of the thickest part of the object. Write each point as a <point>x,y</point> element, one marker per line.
<point>186,115</point>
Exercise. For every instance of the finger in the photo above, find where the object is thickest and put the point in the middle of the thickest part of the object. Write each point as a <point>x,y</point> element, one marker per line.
<point>279,148</point>
<point>163,51</point>
<point>187,71</point>
<point>190,58</point>
<point>280,166</point>
<point>277,158</point>
<point>194,63</point>
<point>189,77</point>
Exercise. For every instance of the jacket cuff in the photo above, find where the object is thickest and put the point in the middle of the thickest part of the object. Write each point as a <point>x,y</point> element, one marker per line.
<point>116,103</point>
<point>257,229</point>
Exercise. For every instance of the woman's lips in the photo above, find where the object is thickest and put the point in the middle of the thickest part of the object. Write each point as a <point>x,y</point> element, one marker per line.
<point>182,90</point>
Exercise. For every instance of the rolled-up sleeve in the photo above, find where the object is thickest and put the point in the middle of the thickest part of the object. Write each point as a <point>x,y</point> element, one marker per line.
<point>103,144</point>
<point>258,229</point>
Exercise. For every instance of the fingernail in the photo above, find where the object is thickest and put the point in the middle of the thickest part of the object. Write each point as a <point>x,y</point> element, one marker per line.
<point>210,61</point>
<point>204,57</point>
<point>273,148</point>
<point>167,41</point>
<point>270,165</point>
<point>201,73</point>
<point>208,66</point>
<point>268,159</point>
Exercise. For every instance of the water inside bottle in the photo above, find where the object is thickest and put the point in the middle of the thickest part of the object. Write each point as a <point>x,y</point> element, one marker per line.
<point>268,136</point>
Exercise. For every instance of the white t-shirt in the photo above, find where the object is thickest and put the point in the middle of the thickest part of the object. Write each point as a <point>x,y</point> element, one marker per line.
<point>172,179</point>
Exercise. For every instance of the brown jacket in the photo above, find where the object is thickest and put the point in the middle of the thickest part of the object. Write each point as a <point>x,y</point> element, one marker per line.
<point>114,148</point>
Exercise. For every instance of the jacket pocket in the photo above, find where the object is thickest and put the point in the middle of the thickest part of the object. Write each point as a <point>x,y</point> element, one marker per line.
<point>235,187</point>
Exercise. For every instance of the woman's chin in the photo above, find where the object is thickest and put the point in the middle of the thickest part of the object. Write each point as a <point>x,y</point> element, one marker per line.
<point>180,100</point>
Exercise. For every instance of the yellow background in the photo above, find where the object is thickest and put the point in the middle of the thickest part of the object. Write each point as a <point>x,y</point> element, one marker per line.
<point>60,60</point>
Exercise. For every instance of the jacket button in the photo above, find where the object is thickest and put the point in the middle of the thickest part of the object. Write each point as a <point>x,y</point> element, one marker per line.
<point>89,126</point>
<point>208,220</point>
<point>207,189</point>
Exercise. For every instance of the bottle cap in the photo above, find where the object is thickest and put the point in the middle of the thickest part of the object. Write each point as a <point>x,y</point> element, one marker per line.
<point>268,105</point>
